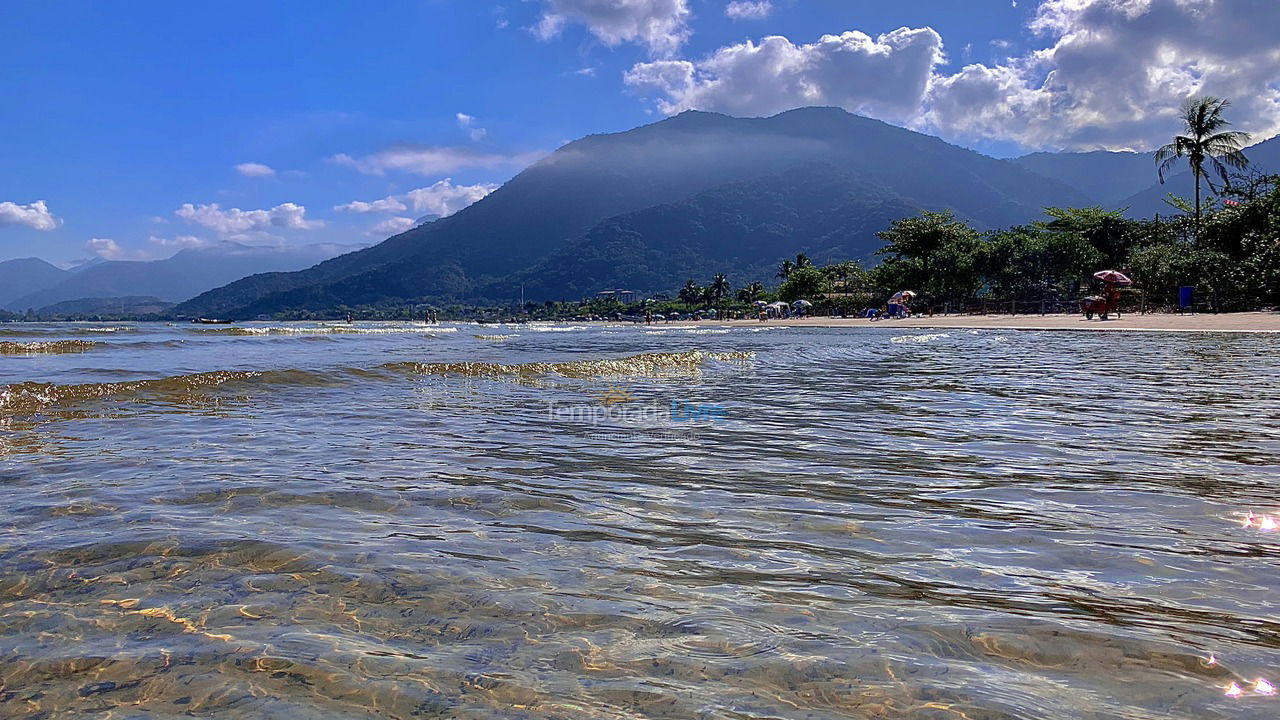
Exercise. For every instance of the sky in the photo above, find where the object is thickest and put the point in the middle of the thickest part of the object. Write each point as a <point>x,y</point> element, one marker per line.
<point>134,130</point>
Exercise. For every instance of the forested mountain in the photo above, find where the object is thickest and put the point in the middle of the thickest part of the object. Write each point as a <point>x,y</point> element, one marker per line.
<point>818,209</point>
<point>478,252</point>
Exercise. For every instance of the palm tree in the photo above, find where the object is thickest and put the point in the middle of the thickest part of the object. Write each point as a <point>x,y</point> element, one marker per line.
<point>751,292</point>
<point>691,293</point>
<point>785,271</point>
<point>719,287</point>
<point>803,261</point>
<point>1204,141</point>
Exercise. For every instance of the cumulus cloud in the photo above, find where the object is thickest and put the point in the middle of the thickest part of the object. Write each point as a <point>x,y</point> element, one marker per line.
<point>443,199</point>
<point>181,242</point>
<point>253,169</point>
<point>1107,74</point>
<point>34,215</point>
<point>886,76</point>
<point>1115,72</point>
<point>431,160</point>
<point>234,221</point>
<point>468,123</point>
<point>749,9</point>
<point>387,204</point>
<point>662,26</point>
<point>391,226</point>
<point>109,249</point>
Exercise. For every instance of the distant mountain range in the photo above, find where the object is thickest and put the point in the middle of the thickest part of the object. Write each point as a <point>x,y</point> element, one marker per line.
<point>35,284</point>
<point>685,197</point>
<point>1127,180</point>
<point>27,275</point>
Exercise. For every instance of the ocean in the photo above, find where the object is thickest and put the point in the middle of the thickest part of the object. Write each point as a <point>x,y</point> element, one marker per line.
<point>624,521</point>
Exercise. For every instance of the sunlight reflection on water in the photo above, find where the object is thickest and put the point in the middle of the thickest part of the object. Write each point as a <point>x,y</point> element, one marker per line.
<point>397,523</point>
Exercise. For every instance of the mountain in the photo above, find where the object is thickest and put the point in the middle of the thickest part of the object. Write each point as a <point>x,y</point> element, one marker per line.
<point>743,229</point>
<point>1119,180</point>
<point>134,305</point>
<point>1105,178</point>
<point>1263,157</point>
<point>180,277</point>
<point>477,252</point>
<point>26,275</point>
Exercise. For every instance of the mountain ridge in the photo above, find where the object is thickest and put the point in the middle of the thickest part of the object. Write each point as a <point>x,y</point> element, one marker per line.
<point>552,203</point>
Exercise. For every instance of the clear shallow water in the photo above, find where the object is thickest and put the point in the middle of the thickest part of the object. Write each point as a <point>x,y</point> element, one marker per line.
<point>334,522</point>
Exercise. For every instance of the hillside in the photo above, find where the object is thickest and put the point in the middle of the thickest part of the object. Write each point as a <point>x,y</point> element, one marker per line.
<point>180,277</point>
<point>744,229</point>
<point>1105,178</point>
<point>24,276</point>
<point>1263,157</point>
<point>136,305</point>
<point>553,203</point>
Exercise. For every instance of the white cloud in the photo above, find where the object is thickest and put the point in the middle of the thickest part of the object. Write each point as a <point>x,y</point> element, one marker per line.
<point>253,169</point>
<point>662,26</point>
<point>443,199</point>
<point>1116,71</point>
<point>35,215</point>
<point>181,242</point>
<point>108,249</point>
<point>387,204</point>
<point>391,226</point>
<point>234,220</point>
<point>1109,74</point>
<point>468,123</point>
<point>749,9</point>
<point>885,77</point>
<point>432,160</point>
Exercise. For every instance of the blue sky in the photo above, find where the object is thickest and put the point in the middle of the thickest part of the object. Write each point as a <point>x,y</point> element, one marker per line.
<point>118,115</point>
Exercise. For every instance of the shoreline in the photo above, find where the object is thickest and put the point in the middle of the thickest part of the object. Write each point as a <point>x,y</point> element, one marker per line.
<point>1243,322</point>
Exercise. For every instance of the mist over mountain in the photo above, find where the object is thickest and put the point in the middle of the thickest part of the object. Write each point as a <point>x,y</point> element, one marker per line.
<point>818,209</point>
<point>186,274</point>
<point>1105,178</point>
<point>476,253</point>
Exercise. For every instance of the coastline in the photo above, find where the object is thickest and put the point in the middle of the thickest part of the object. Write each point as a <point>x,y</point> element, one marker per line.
<point>1243,322</point>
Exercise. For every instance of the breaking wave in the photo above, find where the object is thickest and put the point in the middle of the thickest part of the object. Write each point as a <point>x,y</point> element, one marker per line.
<point>32,397</point>
<point>50,347</point>
<point>326,330</point>
<point>644,365</point>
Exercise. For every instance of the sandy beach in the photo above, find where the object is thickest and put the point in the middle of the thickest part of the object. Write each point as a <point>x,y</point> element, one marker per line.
<point>1226,322</point>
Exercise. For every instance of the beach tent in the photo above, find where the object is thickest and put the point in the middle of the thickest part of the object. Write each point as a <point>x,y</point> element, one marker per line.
<point>802,304</point>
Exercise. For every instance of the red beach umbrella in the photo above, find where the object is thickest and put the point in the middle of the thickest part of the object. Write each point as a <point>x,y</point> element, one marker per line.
<point>1113,276</point>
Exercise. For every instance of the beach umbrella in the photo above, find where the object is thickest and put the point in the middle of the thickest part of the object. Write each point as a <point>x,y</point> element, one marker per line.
<point>901,296</point>
<point>779,305</point>
<point>760,303</point>
<point>802,303</point>
<point>1113,276</point>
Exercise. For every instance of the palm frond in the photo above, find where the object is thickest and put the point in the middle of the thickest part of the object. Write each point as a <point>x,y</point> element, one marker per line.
<point>1167,155</point>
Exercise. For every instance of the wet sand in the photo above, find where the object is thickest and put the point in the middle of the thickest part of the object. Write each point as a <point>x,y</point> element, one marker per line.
<point>1226,322</point>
